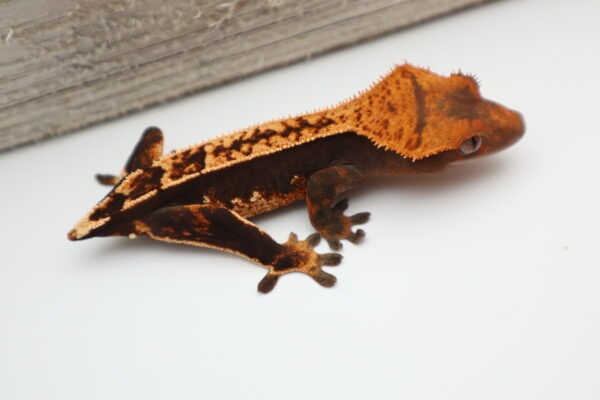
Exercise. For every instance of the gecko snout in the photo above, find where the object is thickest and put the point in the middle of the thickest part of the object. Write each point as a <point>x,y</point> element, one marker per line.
<point>508,126</point>
<point>510,120</point>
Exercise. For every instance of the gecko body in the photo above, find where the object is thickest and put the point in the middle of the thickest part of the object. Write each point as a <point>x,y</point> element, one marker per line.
<point>411,121</point>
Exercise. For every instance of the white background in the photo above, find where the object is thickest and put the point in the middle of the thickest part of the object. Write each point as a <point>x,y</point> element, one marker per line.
<point>479,283</point>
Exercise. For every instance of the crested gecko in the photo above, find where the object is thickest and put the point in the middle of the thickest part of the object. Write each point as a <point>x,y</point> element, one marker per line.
<point>410,121</point>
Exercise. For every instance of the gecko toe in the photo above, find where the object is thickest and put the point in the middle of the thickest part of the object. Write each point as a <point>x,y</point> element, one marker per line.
<point>335,244</point>
<point>292,238</point>
<point>324,279</point>
<point>267,283</point>
<point>313,240</point>
<point>357,236</point>
<point>360,218</point>
<point>330,259</point>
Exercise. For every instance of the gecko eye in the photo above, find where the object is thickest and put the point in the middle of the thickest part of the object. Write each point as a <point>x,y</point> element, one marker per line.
<point>471,145</point>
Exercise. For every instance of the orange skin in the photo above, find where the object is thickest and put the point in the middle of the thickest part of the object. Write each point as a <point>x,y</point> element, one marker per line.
<point>411,121</point>
<point>417,114</point>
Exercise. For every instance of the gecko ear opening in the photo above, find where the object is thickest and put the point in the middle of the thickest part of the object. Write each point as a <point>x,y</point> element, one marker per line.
<point>470,145</point>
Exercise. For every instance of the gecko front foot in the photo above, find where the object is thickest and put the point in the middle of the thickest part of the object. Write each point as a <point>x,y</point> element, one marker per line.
<point>300,256</point>
<point>340,226</point>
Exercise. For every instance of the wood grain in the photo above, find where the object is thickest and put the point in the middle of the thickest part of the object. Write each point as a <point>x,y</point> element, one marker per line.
<point>66,64</point>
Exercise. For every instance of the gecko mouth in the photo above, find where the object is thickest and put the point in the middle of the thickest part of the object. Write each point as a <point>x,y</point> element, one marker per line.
<point>462,159</point>
<point>460,162</point>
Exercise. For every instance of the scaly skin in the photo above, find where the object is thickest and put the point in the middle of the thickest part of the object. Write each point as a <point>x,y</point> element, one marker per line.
<point>411,121</point>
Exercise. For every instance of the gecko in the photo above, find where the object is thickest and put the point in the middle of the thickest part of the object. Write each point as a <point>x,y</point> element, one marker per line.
<point>410,121</point>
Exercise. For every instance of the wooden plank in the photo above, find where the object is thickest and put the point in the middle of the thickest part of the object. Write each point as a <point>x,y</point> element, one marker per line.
<point>66,64</point>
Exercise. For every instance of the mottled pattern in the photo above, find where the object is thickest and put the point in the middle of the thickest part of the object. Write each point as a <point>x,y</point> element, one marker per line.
<point>246,144</point>
<point>411,121</point>
<point>411,111</point>
<point>261,202</point>
<point>148,149</point>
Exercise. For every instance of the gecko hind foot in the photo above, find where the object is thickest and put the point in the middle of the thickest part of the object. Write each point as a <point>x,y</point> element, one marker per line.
<point>298,255</point>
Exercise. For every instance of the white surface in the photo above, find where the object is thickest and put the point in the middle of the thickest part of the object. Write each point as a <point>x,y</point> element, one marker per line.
<point>479,283</point>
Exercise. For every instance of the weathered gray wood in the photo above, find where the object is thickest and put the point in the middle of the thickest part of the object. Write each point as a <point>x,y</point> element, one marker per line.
<point>65,64</point>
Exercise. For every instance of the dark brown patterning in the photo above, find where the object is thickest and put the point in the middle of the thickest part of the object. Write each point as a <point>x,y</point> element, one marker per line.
<point>410,121</point>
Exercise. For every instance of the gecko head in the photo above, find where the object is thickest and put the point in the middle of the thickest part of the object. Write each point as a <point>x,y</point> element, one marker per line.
<point>482,126</point>
<point>472,125</point>
<point>418,114</point>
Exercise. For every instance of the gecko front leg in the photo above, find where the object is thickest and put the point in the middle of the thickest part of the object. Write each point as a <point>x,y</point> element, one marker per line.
<point>221,228</point>
<point>321,190</point>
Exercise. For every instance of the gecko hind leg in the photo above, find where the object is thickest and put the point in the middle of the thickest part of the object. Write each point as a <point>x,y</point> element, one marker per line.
<point>223,229</point>
<point>328,219</point>
<point>148,149</point>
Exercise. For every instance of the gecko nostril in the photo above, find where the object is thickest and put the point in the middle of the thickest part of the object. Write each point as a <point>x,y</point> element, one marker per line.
<point>471,145</point>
